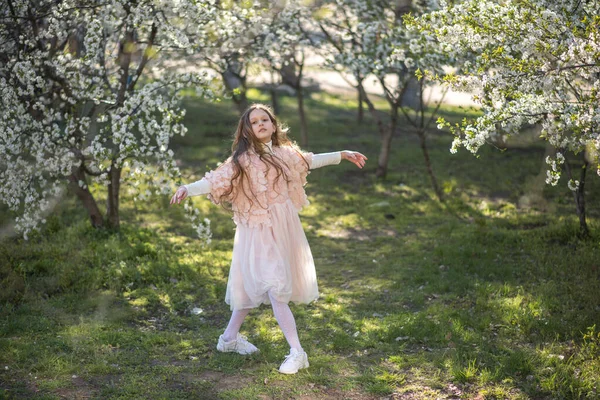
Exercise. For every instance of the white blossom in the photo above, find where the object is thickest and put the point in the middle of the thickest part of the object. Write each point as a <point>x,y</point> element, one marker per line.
<point>527,63</point>
<point>75,101</point>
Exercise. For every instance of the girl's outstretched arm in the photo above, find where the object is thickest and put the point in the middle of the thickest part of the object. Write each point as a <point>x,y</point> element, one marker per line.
<point>203,186</point>
<point>323,159</point>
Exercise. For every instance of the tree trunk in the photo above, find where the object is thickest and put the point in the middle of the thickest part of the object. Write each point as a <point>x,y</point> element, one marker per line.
<point>241,101</point>
<point>275,100</point>
<point>112,201</point>
<point>361,112</point>
<point>423,139</point>
<point>274,96</point>
<point>580,201</point>
<point>579,196</point>
<point>380,125</point>
<point>291,75</point>
<point>386,144</point>
<point>386,134</point>
<point>413,93</point>
<point>235,82</point>
<point>425,151</point>
<point>86,198</point>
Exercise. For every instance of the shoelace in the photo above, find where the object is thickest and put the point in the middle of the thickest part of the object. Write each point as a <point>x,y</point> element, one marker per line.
<point>290,356</point>
<point>241,339</point>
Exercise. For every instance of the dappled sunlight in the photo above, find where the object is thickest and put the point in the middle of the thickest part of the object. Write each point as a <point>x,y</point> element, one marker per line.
<point>165,301</point>
<point>421,299</point>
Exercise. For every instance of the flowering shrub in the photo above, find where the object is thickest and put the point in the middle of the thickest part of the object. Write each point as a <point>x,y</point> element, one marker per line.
<point>79,104</point>
<point>528,62</point>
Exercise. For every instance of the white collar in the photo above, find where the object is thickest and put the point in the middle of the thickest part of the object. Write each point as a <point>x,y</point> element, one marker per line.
<point>269,144</point>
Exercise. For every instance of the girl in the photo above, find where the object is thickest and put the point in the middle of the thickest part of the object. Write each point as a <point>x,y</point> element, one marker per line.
<point>263,184</point>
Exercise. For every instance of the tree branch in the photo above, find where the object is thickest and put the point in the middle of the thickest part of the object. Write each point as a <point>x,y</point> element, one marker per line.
<point>437,107</point>
<point>145,57</point>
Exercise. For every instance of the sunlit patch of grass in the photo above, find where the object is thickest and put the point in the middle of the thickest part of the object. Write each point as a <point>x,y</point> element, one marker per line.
<point>464,373</point>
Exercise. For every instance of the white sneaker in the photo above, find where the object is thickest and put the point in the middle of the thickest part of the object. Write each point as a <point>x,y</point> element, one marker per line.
<point>294,361</point>
<point>239,345</point>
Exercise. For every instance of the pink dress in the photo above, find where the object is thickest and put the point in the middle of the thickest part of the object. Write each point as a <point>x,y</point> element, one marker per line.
<point>270,250</point>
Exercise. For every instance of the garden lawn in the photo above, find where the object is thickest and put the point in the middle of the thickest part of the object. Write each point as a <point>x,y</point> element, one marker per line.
<point>478,297</point>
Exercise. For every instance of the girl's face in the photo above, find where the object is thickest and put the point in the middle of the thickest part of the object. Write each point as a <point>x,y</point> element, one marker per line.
<point>262,126</point>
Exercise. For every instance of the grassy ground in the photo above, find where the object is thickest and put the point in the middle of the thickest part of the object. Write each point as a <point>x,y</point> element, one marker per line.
<point>479,297</point>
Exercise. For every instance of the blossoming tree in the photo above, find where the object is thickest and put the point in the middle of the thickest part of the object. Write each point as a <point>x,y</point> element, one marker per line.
<point>228,43</point>
<point>369,39</point>
<point>530,62</point>
<point>282,46</point>
<point>79,105</point>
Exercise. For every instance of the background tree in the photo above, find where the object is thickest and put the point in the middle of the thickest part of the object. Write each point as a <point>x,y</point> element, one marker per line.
<point>228,44</point>
<point>370,38</point>
<point>76,107</point>
<point>530,62</point>
<point>283,46</point>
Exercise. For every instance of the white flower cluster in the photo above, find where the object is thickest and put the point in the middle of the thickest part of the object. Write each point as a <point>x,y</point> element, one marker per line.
<point>227,41</point>
<point>284,34</point>
<point>368,38</point>
<point>76,101</point>
<point>553,174</point>
<point>201,225</point>
<point>534,62</point>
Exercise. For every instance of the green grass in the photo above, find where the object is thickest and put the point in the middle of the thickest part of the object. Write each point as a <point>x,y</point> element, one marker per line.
<point>479,296</point>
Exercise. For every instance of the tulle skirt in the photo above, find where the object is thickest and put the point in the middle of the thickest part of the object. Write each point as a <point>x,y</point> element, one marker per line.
<point>273,258</point>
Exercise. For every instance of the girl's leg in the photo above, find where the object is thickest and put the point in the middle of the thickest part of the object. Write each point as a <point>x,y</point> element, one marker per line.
<point>235,323</point>
<point>286,322</point>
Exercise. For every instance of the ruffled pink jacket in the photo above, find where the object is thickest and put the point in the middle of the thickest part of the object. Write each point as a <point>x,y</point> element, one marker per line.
<point>251,209</point>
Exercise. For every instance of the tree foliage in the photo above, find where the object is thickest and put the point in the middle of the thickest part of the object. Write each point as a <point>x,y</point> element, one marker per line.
<point>370,39</point>
<point>78,104</point>
<point>529,62</point>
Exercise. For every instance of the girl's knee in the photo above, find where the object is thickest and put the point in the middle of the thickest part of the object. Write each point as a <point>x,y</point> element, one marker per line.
<point>272,296</point>
<point>274,300</point>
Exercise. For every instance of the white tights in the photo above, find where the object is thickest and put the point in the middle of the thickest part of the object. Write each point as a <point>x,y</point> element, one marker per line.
<point>235,322</point>
<point>284,318</point>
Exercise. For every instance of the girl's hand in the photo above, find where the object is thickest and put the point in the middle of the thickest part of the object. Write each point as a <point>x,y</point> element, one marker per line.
<point>354,157</point>
<point>179,195</point>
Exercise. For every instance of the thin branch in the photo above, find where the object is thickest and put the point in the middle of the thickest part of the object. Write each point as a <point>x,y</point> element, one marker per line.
<point>103,63</point>
<point>421,105</point>
<point>331,40</point>
<point>412,122</point>
<point>371,107</point>
<point>145,57</point>
<point>437,107</point>
<point>386,91</point>
<point>575,92</point>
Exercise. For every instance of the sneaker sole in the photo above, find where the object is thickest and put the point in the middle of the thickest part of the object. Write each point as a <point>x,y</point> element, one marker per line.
<point>296,371</point>
<point>235,351</point>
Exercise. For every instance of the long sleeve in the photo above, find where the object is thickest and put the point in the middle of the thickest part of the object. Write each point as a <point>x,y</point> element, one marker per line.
<point>323,159</point>
<point>203,186</point>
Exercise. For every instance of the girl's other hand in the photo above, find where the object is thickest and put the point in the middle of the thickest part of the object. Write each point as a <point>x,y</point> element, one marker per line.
<point>179,195</point>
<point>354,157</point>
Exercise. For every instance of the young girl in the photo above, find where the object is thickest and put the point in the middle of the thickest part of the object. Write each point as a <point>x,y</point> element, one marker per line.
<point>263,182</point>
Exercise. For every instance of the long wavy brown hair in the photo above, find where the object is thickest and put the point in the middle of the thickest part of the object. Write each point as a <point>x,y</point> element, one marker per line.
<point>244,141</point>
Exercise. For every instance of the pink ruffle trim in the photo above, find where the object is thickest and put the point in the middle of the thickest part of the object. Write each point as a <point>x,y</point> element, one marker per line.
<point>253,211</point>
